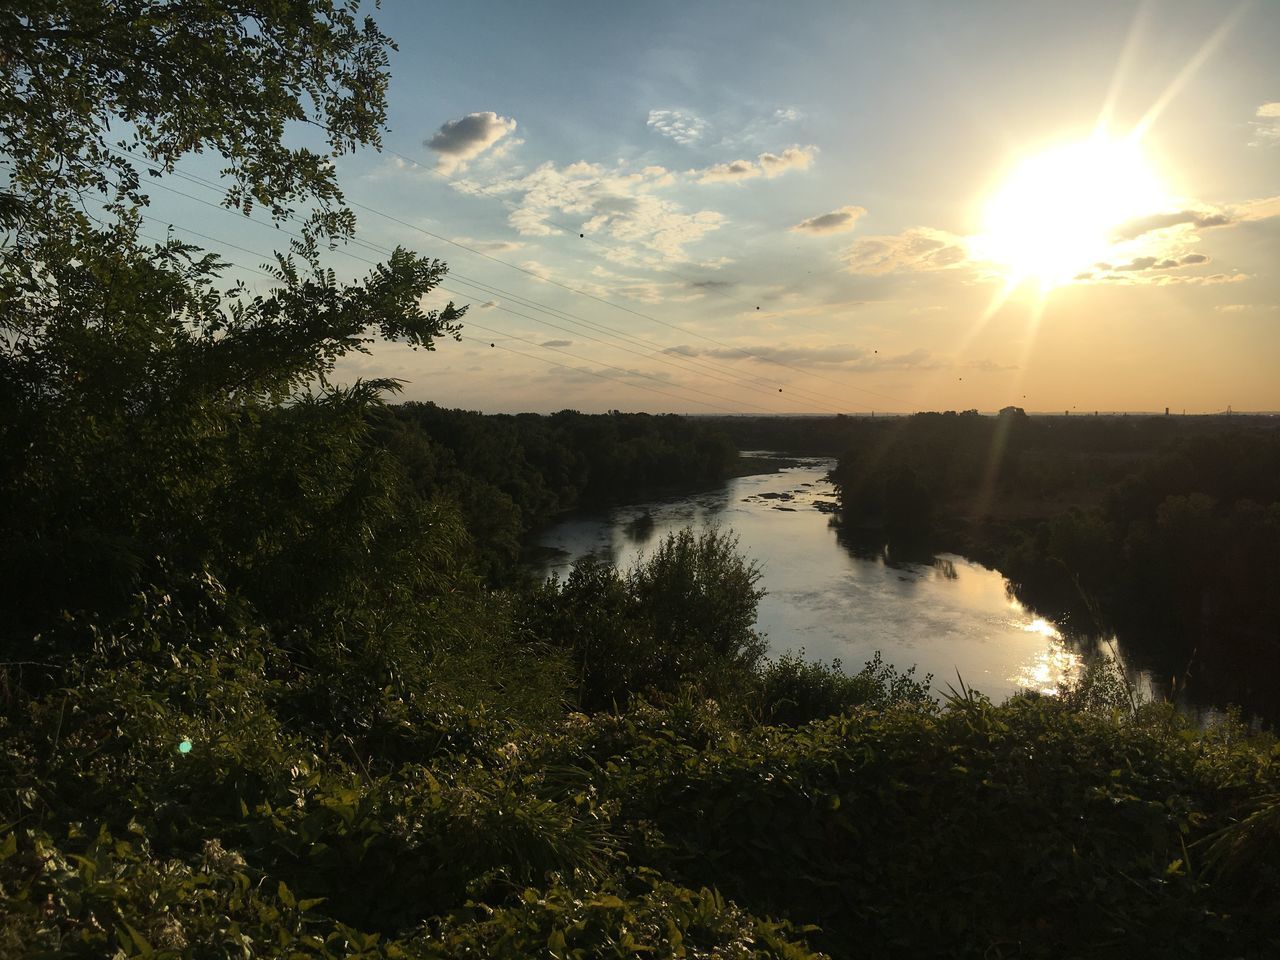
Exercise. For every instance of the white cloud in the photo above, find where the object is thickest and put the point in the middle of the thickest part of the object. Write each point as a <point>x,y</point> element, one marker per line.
<point>492,246</point>
<point>540,270</point>
<point>730,172</point>
<point>460,141</point>
<point>682,127</point>
<point>766,164</point>
<point>914,250</point>
<point>622,204</point>
<point>609,283</point>
<point>792,158</point>
<point>840,220</point>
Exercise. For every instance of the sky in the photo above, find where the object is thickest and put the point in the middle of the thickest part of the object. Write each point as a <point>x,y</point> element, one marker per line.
<point>706,207</point>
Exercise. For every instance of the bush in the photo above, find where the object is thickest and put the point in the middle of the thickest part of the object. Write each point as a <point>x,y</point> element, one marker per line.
<point>792,690</point>
<point>684,615</point>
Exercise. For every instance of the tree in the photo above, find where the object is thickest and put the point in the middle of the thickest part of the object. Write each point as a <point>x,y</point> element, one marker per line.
<point>151,414</point>
<point>84,82</point>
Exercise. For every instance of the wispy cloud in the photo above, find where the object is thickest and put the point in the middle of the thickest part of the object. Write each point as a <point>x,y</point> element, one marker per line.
<point>1267,124</point>
<point>1155,263</point>
<point>460,141</point>
<point>623,204</point>
<point>841,220</point>
<point>843,355</point>
<point>1141,278</point>
<point>914,250</point>
<point>492,246</point>
<point>590,375</point>
<point>1133,229</point>
<point>679,125</point>
<point>1202,217</point>
<point>1247,307</point>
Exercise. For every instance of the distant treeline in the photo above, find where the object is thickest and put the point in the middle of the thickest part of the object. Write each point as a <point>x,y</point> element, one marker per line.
<point>511,474</point>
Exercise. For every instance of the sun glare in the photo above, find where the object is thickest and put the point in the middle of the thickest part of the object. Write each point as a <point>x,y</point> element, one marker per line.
<point>1055,214</point>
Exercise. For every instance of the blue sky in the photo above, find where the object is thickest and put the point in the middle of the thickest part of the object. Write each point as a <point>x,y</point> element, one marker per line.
<point>787,207</point>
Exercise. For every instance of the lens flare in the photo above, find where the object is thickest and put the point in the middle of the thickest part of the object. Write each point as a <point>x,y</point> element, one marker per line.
<point>1057,212</point>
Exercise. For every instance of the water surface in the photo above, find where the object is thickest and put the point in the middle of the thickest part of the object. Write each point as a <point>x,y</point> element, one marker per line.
<point>949,616</point>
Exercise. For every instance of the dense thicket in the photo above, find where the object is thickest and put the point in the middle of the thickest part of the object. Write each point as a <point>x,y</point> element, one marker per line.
<point>258,700</point>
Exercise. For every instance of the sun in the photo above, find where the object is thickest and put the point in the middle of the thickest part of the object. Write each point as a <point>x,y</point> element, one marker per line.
<point>1055,214</point>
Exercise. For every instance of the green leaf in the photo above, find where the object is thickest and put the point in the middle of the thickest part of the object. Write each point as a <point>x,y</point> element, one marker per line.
<point>144,946</point>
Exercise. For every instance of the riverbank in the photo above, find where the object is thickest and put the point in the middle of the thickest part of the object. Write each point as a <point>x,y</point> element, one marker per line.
<point>753,463</point>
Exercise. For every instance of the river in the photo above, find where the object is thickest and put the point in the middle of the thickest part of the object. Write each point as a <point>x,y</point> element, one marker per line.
<point>952,618</point>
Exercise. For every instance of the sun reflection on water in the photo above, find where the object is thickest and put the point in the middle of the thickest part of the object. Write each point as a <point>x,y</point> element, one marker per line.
<point>1048,668</point>
<point>1043,627</point>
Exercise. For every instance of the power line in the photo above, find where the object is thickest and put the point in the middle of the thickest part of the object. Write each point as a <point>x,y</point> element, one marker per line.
<point>546,219</point>
<point>471,323</point>
<point>747,383</point>
<point>494,344</point>
<point>811,396</point>
<point>530,356</point>
<point>618,306</point>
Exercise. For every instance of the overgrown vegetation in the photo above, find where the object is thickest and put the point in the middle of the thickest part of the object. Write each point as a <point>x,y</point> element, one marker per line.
<point>259,697</point>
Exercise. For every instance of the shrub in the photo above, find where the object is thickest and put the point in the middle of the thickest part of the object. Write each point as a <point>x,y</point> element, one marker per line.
<point>792,690</point>
<point>684,615</point>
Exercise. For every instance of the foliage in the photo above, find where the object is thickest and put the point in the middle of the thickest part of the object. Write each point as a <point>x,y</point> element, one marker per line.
<point>683,615</point>
<point>152,424</point>
<point>81,81</point>
<point>1029,829</point>
<point>793,690</point>
<point>1042,827</point>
